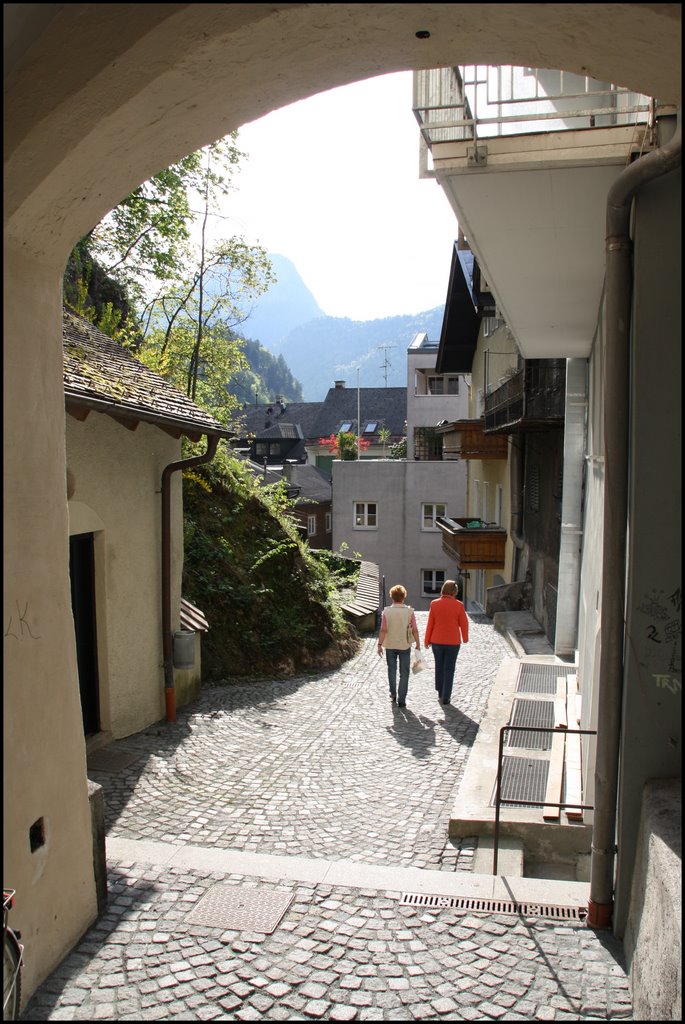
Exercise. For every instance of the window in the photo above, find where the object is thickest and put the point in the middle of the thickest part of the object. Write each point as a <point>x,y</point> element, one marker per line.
<point>427,444</point>
<point>370,428</point>
<point>329,522</point>
<point>365,515</point>
<point>345,427</point>
<point>486,502</point>
<point>443,385</point>
<point>429,511</point>
<point>432,581</point>
<point>498,504</point>
<point>476,499</point>
<point>261,448</point>
<point>311,526</point>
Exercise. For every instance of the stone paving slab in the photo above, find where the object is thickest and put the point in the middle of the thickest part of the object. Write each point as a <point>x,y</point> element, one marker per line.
<point>316,770</point>
<point>339,953</point>
<point>322,766</point>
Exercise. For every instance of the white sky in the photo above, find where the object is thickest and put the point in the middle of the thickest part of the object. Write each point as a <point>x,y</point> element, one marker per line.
<point>332,183</point>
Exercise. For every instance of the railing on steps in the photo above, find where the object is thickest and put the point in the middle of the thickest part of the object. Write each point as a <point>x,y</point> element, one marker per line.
<point>530,802</point>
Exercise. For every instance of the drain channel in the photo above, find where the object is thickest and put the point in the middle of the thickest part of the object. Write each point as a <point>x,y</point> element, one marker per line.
<point>492,906</point>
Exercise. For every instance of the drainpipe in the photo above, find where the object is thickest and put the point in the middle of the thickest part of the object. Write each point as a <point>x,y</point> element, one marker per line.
<point>616,453</point>
<point>167,644</point>
<point>516,449</point>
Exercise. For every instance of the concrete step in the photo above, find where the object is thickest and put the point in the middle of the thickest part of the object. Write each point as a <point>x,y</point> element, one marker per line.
<point>509,856</point>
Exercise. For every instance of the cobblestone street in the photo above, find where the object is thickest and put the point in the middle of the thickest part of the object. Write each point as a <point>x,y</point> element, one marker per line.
<point>324,768</point>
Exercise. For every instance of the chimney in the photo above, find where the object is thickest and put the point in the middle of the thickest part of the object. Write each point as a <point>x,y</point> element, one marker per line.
<point>339,384</point>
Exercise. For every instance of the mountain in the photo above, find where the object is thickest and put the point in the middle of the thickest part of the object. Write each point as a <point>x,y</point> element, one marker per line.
<point>284,306</point>
<point>331,348</point>
<point>318,349</point>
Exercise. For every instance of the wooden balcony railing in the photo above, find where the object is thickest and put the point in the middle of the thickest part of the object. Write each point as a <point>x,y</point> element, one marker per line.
<point>473,546</point>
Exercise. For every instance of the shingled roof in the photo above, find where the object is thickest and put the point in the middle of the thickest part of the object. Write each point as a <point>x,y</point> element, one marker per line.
<point>102,376</point>
<point>387,407</point>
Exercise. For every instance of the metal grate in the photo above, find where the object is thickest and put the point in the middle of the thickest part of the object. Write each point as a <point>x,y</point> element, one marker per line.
<point>538,713</point>
<point>522,779</point>
<point>106,760</point>
<point>534,678</point>
<point>492,906</point>
<point>235,908</point>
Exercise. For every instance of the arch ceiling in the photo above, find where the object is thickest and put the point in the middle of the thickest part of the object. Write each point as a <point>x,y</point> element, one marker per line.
<point>100,97</point>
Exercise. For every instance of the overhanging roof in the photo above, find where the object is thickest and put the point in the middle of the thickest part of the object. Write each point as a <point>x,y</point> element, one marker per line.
<point>464,307</point>
<point>101,376</point>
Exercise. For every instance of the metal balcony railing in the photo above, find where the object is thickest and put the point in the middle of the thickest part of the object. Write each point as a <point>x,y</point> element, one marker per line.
<point>532,397</point>
<point>482,101</point>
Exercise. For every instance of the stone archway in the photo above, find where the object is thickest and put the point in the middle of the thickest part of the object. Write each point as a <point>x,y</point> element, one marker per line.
<point>98,98</point>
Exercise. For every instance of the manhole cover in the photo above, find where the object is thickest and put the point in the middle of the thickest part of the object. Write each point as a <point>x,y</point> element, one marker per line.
<point>111,760</point>
<point>239,909</point>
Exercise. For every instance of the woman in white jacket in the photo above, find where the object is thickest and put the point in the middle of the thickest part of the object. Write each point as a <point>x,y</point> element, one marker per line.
<point>398,626</point>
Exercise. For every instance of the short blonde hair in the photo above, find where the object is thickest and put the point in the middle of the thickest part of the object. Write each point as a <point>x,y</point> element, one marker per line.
<point>398,593</point>
<point>450,587</point>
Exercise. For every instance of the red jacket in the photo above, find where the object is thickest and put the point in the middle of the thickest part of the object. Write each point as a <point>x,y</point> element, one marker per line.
<point>447,622</point>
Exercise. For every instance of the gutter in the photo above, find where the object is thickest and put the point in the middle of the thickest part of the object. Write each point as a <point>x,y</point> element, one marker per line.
<point>614,556</point>
<point>167,641</point>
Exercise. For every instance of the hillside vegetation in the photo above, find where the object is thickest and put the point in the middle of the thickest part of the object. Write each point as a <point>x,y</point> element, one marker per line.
<point>273,605</point>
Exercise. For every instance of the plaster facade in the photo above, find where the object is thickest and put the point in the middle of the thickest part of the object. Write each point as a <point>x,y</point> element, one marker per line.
<point>98,98</point>
<point>115,474</point>
<point>398,542</point>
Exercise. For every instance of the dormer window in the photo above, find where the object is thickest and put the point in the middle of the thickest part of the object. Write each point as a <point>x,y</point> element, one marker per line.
<point>370,428</point>
<point>346,427</point>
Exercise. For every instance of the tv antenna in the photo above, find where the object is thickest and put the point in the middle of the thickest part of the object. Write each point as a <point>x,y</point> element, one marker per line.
<point>386,365</point>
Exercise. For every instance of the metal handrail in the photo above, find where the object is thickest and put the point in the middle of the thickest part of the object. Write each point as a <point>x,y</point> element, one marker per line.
<point>530,803</point>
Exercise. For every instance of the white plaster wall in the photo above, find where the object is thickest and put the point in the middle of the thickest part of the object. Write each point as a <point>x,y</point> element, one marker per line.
<point>116,474</point>
<point>398,546</point>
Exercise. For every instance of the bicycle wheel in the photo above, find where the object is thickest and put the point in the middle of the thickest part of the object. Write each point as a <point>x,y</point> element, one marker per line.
<point>11,977</point>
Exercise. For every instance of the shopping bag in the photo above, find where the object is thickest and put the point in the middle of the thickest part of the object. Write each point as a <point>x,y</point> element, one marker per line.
<point>418,664</point>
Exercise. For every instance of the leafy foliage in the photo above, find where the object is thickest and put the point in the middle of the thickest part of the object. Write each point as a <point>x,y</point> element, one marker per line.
<point>270,601</point>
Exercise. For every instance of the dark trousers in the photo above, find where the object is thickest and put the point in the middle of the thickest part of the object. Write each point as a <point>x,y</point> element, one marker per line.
<point>445,656</point>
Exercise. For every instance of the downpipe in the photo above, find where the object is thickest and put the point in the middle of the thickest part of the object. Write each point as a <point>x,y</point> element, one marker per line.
<point>616,451</point>
<point>167,641</point>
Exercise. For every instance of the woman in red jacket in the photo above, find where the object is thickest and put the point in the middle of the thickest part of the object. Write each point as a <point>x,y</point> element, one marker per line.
<point>447,629</point>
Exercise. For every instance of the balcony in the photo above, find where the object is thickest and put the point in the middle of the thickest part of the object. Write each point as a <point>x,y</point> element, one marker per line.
<point>532,399</point>
<point>526,158</point>
<point>466,439</point>
<point>479,546</point>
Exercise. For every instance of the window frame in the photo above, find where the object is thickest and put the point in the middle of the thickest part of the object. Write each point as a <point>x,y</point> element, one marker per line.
<point>311,519</point>
<point>434,505</point>
<point>365,525</point>
<point>437,586</point>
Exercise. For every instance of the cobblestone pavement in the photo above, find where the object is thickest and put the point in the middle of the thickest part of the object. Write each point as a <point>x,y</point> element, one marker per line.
<point>322,767</point>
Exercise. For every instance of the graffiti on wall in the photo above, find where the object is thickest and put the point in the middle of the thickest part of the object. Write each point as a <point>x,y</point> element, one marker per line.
<point>661,645</point>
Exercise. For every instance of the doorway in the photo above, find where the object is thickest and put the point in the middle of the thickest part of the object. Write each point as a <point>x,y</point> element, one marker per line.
<point>82,572</point>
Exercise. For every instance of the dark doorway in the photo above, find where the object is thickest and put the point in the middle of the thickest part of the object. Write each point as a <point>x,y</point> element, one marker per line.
<point>82,569</point>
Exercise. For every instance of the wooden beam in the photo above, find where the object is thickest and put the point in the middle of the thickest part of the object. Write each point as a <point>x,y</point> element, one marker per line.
<point>555,777</point>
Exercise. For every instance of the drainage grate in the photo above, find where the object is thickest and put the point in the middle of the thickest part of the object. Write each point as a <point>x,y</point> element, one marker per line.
<point>534,678</point>
<point>539,713</point>
<point>106,760</point>
<point>233,908</point>
<point>522,779</point>
<point>492,906</point>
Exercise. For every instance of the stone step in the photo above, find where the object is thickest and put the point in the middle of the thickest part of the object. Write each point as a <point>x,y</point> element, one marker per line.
<point>509,856</point>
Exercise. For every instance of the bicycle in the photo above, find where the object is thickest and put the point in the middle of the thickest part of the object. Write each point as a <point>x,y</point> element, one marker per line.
<point>12,960</point>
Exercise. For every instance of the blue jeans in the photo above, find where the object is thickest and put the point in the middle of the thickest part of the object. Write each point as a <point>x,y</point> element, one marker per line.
<point>392,656</point>
<point>445,656</point>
